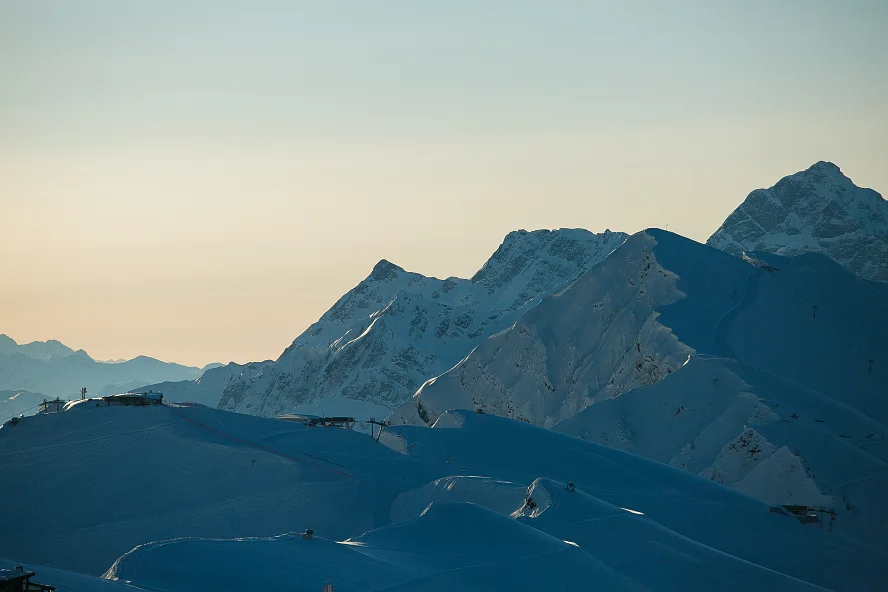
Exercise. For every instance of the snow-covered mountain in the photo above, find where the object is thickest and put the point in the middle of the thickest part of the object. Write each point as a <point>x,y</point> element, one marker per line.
<point>792,340</point>
<point>207,388</point>
<point>385,337</point>
<point>39,350</point>
<point>52,368</point>
<point>817,210</point>
<point>18,402</point>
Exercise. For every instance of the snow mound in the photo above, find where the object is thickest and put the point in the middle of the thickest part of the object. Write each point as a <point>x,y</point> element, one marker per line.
<point>449,544</point>
<point>450,525</point>
<point>286,562</point>
<point>502,497</point>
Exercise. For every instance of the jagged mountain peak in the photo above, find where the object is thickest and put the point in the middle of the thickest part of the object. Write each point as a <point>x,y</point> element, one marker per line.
<point>385,271</point>
<point>545,233</point>
<point>41,350</point>
<point>522,241</point>
<point>823,177</point>
<point>530,260</point>
<point>816,210</point>
<point>824,166</point>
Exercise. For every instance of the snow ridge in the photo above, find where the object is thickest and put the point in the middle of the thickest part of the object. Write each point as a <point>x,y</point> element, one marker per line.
<point>53,369</point>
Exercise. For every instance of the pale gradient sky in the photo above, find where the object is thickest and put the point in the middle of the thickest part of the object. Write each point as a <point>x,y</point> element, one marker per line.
<point>199,181</point>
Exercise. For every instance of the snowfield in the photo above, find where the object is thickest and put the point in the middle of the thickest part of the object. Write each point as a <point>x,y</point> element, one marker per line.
<point>159,498</point>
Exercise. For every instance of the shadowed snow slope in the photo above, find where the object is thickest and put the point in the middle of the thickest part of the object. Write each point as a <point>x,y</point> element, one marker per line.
<point>817,210</point>
<point>382,339</point>
<point>716,519</point>
<point>134,475</point>
<point>603,530</point>
<point>436,551</point>
<point>771,438</point>
<point>137,479</point>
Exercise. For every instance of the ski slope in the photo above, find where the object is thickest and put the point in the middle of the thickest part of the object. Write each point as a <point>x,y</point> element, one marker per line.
<point>160,498</point>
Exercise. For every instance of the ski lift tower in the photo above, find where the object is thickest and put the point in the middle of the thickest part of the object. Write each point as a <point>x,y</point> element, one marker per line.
<point>381,424</point>
<point>83,393</point>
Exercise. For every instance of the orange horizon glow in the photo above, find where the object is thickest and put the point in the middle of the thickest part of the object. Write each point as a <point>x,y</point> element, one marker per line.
<point>199,183</point>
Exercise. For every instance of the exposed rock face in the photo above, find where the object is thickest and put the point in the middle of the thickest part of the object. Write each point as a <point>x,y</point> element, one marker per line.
<point>395,329</point>
<point>817,210</point>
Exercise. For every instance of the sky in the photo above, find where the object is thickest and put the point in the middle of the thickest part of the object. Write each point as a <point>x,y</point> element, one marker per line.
<point>199,181</point>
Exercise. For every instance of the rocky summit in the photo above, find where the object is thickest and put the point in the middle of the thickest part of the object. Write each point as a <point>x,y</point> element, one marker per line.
<point>817,210</point>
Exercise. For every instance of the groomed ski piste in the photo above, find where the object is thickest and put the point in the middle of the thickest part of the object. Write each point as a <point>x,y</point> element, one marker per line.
<point>177,498</point>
